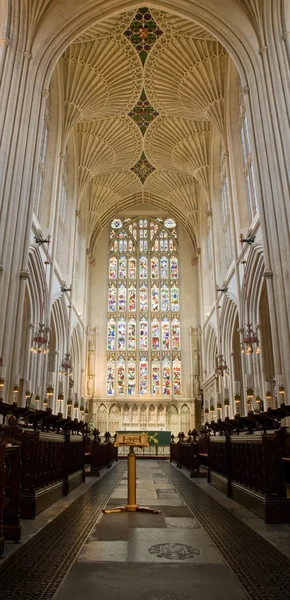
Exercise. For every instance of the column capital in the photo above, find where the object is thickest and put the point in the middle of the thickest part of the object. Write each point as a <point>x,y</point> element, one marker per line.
<point>263,50</point>
<point>24,274</point>
<point>268,274</point>
<point>4,41</point>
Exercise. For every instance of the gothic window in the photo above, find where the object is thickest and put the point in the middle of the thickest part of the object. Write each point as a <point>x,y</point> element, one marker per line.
<point>143,330</point>
<point>225,206</point>
<point>247,161</point>
<point>42,160</point>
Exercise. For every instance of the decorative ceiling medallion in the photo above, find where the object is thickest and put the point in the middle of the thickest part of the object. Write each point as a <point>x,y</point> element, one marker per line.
<point>143,32</point>
<point>143,168</point>
<point>143,113</point>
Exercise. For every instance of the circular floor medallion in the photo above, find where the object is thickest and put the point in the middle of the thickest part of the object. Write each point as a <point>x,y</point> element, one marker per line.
<point>174,551</point>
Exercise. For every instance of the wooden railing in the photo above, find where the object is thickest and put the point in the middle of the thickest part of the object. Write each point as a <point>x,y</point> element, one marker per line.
<point>103,454</point>
<point>186,454</point>
<point>10,527</point>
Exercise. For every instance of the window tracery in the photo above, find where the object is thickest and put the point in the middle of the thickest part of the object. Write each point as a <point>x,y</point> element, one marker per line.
<point>143,331</point>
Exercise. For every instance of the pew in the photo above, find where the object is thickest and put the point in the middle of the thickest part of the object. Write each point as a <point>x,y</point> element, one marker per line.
<point>186,454</point>
<point>102,454</point>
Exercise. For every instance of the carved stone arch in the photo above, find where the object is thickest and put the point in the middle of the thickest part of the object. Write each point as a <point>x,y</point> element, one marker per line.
<point>160,415</point>
<point>173,419</point>
<point>134,419</point>
<point>114,418</point>
<point>185,418</point>
<point>102,418</point>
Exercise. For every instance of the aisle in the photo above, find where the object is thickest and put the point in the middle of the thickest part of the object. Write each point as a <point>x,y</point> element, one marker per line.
<point>142,556</point>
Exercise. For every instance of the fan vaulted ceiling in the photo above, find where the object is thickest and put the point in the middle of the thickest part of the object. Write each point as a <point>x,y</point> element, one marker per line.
<point>143,92</point>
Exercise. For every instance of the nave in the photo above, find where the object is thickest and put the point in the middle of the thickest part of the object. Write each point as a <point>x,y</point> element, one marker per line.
<point>201,543</point>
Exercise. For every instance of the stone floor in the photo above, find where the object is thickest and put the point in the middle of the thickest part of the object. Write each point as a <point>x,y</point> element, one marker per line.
<point>167,556</point>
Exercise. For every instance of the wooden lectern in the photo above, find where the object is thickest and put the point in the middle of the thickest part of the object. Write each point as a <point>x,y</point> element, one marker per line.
<point>134,439</point>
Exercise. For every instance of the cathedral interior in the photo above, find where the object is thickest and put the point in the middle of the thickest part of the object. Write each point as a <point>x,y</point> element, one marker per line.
<point>144,289</point>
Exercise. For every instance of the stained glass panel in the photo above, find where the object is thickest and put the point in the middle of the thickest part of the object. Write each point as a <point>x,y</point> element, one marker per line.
<point>144,334</point>
<point>155,343</point>
<point>154,267</point>
<point>131,378</point>
<point>177,377</point>
<point>110,387</point>
<point>169,223</point>
<point>111,335</point>
<point>143,267</point>
<point>132,267</point>
<point>132,298</point>
<point>164,298</point>
<point>113,267</point>
<point>121,334</point>
<point>173,267</point>
<point>165,334</point>
<point>123,267</point>
<point>164,267</point>
<point>143,376</point>
<point>166,372</point>
<point>143,295</point>
<point>154,298</point>
<point>136,301</point>
<point>155,377</point>
<point>174,298</point>
<point>116,224</point>
<point>132,335</point>
<point>122,297</point>
<point>121,376</point>
<point>112,298</point>
<point>175,335</point>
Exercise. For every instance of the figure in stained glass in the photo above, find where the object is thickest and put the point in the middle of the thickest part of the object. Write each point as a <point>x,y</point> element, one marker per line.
<point>131,377</point>
<point>165,334</point>
<point>143,376</point>
<point>154,298</point>
<point>122,297</point>
<point>132,298</point>
<point>143,267</point>
<point>155,377</point>
<point>177,377</point>
<point>122,267</point>
<point>174,299</point>
<point>112,298</point>
<point>132,335</point>
<point>155,335</point>
<point>110,377</point>
<point>166,372</point>
<point>175,335</point>
<point>132,267</point>
<point>143,296</point>
<point>121,376</point>
<point>144,334</point>
<point>111,335</point>
<point>113,267</point>
<point>121,334</point>
<point>164,267</point>
<point>164,298</point>
<point>173,267</point>
<point>154,267</point>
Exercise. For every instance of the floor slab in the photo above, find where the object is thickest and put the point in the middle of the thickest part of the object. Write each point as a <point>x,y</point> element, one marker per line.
<point>114,581</point>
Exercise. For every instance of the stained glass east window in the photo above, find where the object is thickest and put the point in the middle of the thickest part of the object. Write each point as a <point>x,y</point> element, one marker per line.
<point>143,331</point>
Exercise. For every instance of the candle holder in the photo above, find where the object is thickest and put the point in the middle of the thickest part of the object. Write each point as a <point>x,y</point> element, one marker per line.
<point>45,403</point>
